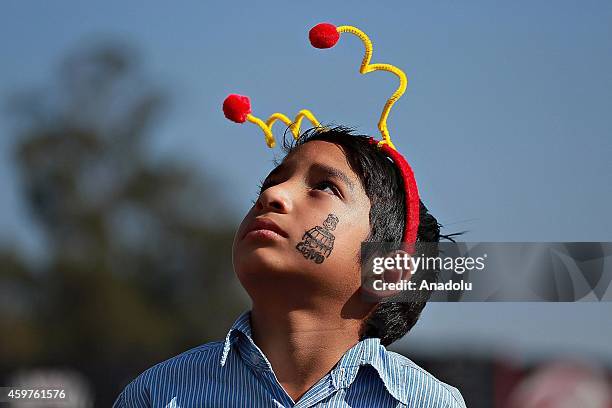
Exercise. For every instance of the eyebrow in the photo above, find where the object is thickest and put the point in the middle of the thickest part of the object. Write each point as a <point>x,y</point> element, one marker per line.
<point>333,172</point>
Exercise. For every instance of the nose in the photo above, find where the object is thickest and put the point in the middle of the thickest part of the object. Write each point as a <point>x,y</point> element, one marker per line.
<point>275,199</point>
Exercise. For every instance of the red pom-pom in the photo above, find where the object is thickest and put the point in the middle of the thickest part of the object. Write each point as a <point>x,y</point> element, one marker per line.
<point>323,35</point>
<point>237,107</point>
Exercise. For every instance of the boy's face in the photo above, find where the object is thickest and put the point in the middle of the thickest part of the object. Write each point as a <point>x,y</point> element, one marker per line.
<point>306,226</point>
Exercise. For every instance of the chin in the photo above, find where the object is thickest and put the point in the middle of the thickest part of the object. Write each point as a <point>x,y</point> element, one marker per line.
<point>260,262</point>
<point>269,265</point>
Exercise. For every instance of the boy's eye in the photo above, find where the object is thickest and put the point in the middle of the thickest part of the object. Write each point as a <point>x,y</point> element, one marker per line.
<point>325,186</point>
<point>328,187</point>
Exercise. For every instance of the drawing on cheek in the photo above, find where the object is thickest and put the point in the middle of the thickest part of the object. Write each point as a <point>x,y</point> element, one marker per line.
<point>318,242</point>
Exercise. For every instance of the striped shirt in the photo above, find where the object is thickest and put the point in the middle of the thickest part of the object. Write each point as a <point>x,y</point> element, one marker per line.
<point>235,373</point>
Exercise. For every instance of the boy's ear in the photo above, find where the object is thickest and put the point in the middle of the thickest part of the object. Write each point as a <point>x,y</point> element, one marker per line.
<point>386,275</point>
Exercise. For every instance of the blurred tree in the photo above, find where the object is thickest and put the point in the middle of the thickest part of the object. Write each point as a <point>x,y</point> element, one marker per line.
<point>139,251</point>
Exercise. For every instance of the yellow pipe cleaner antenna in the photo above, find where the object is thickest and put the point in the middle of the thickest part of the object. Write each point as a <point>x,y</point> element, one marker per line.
<point>367,67</point>
<point>326,35</point>
<point>294,126</point>
<point>238,109</point>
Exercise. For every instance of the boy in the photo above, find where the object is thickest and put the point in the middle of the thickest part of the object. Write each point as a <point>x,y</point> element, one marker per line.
<point>310,339</point>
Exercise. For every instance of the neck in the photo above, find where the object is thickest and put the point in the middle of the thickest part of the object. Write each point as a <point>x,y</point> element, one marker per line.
<point>304,344</point>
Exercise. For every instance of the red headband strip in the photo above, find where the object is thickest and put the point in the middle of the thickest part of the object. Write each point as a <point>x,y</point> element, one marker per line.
<point>410,188</point>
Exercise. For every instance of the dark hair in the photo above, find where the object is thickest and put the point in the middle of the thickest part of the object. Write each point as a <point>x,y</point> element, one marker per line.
<point>383,184</point>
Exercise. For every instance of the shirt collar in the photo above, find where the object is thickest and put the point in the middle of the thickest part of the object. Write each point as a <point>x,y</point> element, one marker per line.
<point>366,352</point>
<point>370,352</point>
<point>241,325</point>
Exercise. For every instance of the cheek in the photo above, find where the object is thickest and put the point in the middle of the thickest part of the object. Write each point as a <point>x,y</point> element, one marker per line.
<point>239,230</point>
<point>348,244</point>
<point>334,240</point>
<point>343,267</point>
<point>245,221</point>
<point>352,230</point>
<point>236,247</point>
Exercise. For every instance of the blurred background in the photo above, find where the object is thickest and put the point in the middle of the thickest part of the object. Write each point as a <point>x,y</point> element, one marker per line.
<point>118,207</point>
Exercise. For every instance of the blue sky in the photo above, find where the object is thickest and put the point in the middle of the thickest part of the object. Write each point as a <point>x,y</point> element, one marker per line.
<point>506,120</point>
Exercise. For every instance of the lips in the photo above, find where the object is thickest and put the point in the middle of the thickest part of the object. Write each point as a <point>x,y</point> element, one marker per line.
<point>265,224</point>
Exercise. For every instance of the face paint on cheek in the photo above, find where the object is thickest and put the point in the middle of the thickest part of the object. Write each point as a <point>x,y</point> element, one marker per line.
<point>317,243</point>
